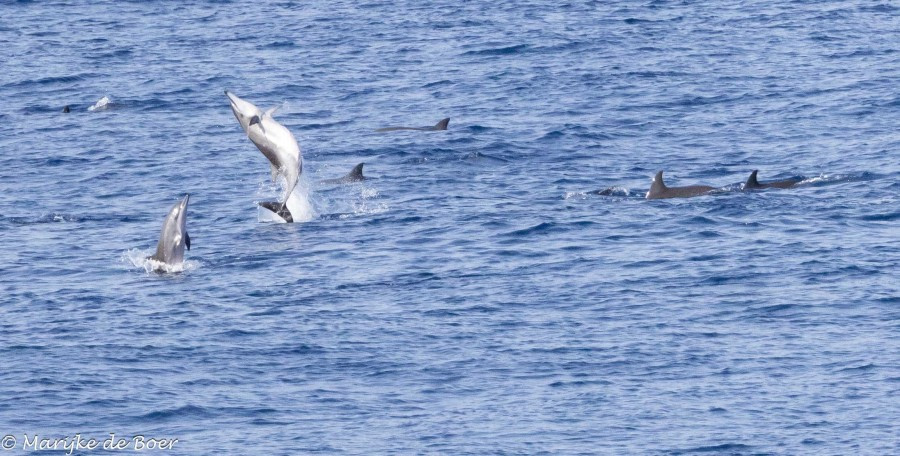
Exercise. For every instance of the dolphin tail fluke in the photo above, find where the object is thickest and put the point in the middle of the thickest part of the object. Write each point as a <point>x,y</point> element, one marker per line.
<point>279,209</point>
<point>751,181</point>
<point>442,125</point>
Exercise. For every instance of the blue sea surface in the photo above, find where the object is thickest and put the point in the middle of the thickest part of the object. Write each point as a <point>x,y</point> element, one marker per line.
<point>476,295</point>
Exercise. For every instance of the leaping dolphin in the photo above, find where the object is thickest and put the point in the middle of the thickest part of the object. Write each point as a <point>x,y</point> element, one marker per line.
<point>658,189</point>
<point>442,125</point>
<point>274,140</point>
<point>355,175</point>
<point>174,237</point>
<point>753,184</point>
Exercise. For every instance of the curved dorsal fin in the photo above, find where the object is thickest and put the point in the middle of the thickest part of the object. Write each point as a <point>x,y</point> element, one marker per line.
<point>272,110</point>
<point>658,180</point>
<point>751,181</point>
<point>657,187</point>
<point>442,125</point>
<point>356,173</point>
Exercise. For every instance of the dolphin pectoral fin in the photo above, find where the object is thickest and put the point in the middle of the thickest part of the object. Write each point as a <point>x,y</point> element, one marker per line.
<point>187,240</point>
<point>442,125</point>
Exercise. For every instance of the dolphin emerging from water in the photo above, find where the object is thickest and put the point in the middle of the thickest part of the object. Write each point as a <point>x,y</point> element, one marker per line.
<point>274,140</point>
<point>442,125</point>
<point>658,189</point>
<point>355,175</point>
<point>753,184</point>
<point>174,237</point>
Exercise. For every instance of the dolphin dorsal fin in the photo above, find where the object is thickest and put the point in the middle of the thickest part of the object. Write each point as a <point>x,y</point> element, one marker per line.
<point>751,181</point>
<point>657,187</point>
<point>442,125</point>
<point>658,180</point>
<point>356,173</point>
<point>272,110</point>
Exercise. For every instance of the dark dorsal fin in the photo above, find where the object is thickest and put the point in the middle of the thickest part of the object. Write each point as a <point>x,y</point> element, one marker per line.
<point>751,181</point>
<point>187,240</point>
<point>442,125</point>
<point>658,180</point>
<point>66,109</point>
<point>356,173</point>
<point>278,208</point>
<point>657,186</point>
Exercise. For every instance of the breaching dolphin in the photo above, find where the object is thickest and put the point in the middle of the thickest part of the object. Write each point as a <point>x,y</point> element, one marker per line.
<point>274,140</point>
<point>355,175</point>
<point>658,189</point>
<point>753,184</point>
<point>173,238</point>
<point>442,125</point>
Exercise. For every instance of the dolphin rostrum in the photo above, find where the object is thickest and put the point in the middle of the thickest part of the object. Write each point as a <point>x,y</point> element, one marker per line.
<point>355,175</point>
<point>274,140</point>
<point>442,125</point>
<point>174,237</point>
<point>658,189</point>
<point>753,184</point>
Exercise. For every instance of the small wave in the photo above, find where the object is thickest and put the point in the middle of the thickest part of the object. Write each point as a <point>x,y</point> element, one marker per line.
<point>542,227</point>
<point>508,50</point>
<point>437,83</point>
<point>180,412</point>
<point>725,448</point>
<point>612,191</point>
<point>279,44</point>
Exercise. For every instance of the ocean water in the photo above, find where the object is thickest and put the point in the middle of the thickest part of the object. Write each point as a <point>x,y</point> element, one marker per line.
<point>475,295</point>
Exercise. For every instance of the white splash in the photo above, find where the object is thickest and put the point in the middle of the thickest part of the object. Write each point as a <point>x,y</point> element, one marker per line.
<point>141,259</point>
<point>299,203</point>
<point>101,104</point>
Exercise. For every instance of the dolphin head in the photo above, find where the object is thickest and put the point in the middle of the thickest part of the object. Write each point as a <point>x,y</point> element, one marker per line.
<point>243,110</point>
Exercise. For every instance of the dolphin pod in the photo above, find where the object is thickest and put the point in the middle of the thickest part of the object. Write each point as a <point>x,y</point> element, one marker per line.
<point>276,143</point>
<point>442,125</point>
<point>281,149</point>
<point>173,238</point>
<point>659,189</point>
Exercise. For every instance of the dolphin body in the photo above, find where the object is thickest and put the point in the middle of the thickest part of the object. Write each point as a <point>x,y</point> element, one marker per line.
<point>442,125</point>
<point>274,140</point>
<point>173,238</point>
<point>355,175</point>
<point>753,184</point>
<point>658,189</point>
